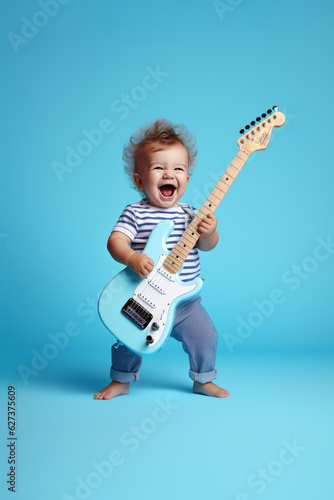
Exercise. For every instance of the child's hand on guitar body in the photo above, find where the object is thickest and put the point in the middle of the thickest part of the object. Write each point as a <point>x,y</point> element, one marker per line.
<point>141,263</point>
<point>118,246</point>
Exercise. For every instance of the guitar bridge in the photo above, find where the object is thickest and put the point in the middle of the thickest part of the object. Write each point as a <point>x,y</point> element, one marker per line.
<point>137,313</point>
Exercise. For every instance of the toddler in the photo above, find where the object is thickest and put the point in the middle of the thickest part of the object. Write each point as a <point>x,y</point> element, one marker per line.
<point>158,160</point>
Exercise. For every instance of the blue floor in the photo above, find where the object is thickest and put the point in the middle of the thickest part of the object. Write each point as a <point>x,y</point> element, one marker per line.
<point>272,438</point>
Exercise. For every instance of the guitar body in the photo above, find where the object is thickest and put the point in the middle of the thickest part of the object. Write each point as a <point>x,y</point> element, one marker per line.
<point>139,312</point>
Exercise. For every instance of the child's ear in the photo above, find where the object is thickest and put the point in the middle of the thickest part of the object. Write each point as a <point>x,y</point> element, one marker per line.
<point>137,180</point>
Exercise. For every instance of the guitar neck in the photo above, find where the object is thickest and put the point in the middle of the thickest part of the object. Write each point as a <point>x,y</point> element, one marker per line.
<point>180,251</point>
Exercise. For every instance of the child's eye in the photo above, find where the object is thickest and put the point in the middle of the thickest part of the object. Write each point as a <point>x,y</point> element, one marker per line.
<point>158,168</point>
<point>179,168</point>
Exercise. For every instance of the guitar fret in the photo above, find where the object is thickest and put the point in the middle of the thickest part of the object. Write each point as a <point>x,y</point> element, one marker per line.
<point>220,190</point>
<point>240,157</point>
<point>192,242</point>
<point>228,174</point>
<point>171,264</point>
<point>239,160</point>
<point>208,203</point>
<point>224,180</point>
<point>169,269</point>
<point>180,254</point>
<point>235,171</point>
<point>191,238</point>
<point>173,254</point>
<point>217,197</point>
<point>228,185</point>
<point>192,228</point>
<point>213,203</point>
<point>200,212</point>
<point>187,248</point>
<point>181,243</point>
<point>204,213</point>
<point>179,249</point>
<point>215,194</point>
<point>170,257</point>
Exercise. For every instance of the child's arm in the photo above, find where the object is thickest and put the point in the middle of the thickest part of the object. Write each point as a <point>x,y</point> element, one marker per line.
<point>118,247</point>
<point>209,236</point>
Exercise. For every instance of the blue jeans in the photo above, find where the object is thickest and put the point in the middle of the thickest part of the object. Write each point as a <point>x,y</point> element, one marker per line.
<point>194,328</point>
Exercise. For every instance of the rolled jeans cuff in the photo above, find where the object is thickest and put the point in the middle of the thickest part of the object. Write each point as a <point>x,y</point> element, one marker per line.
<point>203,378</point>
<point>119,376</point>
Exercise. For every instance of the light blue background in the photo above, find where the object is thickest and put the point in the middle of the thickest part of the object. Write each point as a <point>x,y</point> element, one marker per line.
<point>220,72</point>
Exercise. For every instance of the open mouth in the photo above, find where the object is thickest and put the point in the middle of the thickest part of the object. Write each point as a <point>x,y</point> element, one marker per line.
<point>167,190</point>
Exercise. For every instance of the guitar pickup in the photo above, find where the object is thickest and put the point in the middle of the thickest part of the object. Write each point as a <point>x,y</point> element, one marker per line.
<point>137,313</point>
<point>165,273</point>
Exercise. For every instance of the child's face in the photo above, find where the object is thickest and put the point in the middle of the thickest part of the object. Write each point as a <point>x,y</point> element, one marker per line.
<point>162,175</point>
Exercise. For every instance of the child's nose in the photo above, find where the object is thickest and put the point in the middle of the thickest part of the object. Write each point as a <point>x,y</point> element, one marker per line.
<point>168,174</point>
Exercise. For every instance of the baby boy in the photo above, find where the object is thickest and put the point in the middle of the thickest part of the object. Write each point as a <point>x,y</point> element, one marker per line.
<point>158,159</point>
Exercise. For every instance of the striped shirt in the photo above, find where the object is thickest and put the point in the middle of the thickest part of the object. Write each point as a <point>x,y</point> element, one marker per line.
<point>138,220</point>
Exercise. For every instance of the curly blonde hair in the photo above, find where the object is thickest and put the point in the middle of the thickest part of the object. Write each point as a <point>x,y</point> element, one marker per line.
<point>164,133</point>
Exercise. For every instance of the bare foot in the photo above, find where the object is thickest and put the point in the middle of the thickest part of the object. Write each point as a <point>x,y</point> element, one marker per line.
<point>112,390</point>
<point>210,389</point>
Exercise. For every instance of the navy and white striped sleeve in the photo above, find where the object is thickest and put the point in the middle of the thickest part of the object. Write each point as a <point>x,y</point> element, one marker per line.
<point>127,223</point>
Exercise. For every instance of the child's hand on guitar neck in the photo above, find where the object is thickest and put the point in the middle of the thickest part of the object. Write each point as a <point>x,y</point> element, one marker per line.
<point>141,263</point>
<point>209,236</point>
<point>207,226</point>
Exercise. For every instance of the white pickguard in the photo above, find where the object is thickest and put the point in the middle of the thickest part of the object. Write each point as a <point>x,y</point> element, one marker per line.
<point>156,293</point>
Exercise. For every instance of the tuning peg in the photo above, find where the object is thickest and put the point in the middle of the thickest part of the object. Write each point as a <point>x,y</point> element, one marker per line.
<point>268,111</point>
<point>275,108</point>
<point>241,131</point>
<point>263,115</point>
<point>258,119</point>
<point>253,123</point>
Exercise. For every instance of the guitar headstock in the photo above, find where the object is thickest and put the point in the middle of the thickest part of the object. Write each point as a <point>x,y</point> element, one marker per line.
<point>258,136</point>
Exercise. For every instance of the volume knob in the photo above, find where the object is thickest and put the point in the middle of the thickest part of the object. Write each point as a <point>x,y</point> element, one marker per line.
<point>155,326</point>
<point>149,340</point>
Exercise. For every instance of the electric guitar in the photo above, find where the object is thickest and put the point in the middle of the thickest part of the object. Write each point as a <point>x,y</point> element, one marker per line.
<point>139,312</point>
